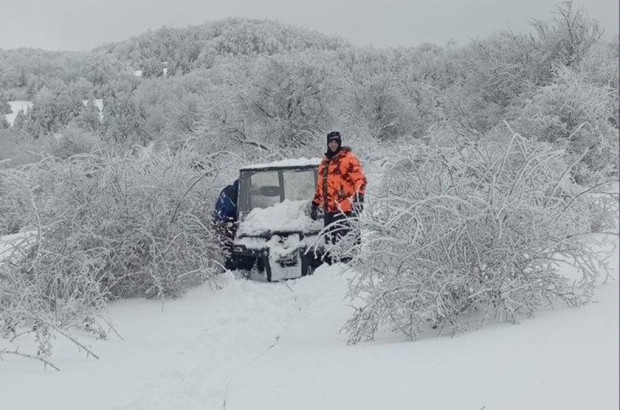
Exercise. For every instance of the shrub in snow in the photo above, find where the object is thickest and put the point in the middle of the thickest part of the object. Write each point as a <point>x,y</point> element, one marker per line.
<point>5,107</point>
<point>14,202</point>
<point>462,234</point>
<point>73,141</point>
<point>601,65</point>
<point>101,228</point>
<point>4,124</point>
<point>578,116</point>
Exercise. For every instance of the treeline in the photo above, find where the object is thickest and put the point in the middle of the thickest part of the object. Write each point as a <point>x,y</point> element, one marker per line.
<point>183,50</point>
<point>24,72</point>
<point>164,52</point>
<point>268,87</point>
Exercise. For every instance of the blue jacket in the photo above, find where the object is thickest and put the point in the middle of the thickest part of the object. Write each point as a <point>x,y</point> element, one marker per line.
<point>226,204</point>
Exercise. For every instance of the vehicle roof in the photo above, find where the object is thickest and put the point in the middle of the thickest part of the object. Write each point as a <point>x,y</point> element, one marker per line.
<point>287,163</point>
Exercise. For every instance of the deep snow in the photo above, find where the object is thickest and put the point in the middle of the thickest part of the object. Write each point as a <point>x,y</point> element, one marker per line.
<point>274,346</point>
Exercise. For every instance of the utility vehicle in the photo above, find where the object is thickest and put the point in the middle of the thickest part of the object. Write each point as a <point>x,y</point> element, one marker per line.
<point>276,239</point>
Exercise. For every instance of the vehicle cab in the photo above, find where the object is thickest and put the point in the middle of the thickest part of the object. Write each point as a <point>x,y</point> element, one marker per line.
<point>276,239</point>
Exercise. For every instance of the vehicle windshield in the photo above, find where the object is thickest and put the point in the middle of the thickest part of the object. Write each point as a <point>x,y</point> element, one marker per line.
<point>265,188</point>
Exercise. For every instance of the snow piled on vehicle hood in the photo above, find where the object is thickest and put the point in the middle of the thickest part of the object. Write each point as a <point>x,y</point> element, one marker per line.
<point>286,216</point>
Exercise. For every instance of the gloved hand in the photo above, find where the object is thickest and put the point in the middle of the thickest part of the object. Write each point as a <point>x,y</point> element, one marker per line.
<point>358,204</point>
<point>314,212</point>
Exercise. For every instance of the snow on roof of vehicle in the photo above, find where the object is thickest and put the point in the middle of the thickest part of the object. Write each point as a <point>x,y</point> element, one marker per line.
<point>299,162</point>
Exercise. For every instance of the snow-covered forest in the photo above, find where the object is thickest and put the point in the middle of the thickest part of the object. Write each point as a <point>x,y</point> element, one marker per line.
<point>492,194</point>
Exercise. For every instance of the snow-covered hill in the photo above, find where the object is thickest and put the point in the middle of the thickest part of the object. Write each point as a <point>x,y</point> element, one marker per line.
<point>277,346</point>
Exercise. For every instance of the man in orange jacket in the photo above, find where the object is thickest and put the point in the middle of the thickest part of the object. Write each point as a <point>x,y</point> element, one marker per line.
<point>340,189</point>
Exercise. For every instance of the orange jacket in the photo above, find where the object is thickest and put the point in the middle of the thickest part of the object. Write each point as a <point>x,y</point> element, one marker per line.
<point>339,180</point>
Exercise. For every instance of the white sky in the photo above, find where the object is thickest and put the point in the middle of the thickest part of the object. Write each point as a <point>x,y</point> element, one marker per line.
<point>84,24</point>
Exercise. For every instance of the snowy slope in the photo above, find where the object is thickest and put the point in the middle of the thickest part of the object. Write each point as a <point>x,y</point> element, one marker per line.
<point>277,346</point>
<point>561,360</point>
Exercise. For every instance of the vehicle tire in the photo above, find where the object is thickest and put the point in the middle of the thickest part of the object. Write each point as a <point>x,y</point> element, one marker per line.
<point>230,264</point>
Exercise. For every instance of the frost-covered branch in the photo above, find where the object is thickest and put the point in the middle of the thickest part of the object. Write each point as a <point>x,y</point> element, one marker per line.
<point>455,237</point>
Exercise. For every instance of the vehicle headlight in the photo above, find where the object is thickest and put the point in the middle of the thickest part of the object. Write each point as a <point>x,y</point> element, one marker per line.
<point>238,248</point>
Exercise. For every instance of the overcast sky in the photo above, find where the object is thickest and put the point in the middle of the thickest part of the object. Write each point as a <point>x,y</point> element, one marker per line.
<point>84,24</point>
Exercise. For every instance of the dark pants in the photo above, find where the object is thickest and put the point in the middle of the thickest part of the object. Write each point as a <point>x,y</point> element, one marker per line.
<point>225,232</point>
<point>337,226</point>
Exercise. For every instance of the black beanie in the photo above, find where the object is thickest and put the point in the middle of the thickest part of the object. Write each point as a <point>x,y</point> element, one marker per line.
<point>334,136</point>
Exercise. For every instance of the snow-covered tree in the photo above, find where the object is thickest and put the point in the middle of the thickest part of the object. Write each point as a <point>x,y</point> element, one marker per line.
<point>5,107</point>
<point>569,36</point>
<point>88,118</point>
<point>50,111</point>
<point>20,120</point>
<point>578,116</point>
<point>290,98</point>
<point>124,120</point>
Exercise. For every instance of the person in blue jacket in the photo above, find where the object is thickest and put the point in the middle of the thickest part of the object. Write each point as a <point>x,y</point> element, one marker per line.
<point>225,220</point>
<point>226,204</point>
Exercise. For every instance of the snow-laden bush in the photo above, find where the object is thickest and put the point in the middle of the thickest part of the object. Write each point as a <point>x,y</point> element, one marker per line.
<point>14,202</point>
<point>568,36</point>
<point>102,228</point>
<point>578,116</point>
<point>72,141</point>
<point>601,65</point>
<point>455,236</point>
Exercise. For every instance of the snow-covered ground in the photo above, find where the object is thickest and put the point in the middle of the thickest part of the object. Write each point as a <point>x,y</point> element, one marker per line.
<point>277,346</point>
